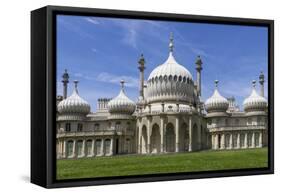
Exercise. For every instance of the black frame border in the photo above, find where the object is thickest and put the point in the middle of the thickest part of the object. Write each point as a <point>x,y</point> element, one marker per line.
<point>43,99</point>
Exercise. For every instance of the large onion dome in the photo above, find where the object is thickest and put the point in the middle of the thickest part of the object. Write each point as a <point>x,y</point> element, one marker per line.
<point>216,103</point>
<point>74,104</point>
<point>121,104</point>
<point>170,81</point>
<point>255,102</point>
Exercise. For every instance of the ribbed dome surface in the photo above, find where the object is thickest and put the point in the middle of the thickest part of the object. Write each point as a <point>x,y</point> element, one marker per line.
<point>255,102</point>
<point>216,103</point>
<point>170,67</point>
<point>121,104</point>
<point>170,82</point>
<point>74,104</point>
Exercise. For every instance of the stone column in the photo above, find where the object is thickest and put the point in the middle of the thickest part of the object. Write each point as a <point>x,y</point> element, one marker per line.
<point>231,142</point>
<point>93,147</point>
<point>148,135</point>
<point>111,146</point>
<point>213,141</point>
<point>253,140</point>
<point>102,147</point>
<point>222,141</point>
<point>177,134</point>
<point>260,140</point>
<point>190,134</point>
<point>216,141</point>
<point>139,136</point>
<point>246,141</point>
<point>162,133</point>
<point>64,149</point>
<point>238,140</point>
<point>83,148</point>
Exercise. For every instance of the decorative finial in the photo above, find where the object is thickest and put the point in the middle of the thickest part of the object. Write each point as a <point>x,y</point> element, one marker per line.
<point>216,83</point>
<point>122,82</point>
<point>261,77</point>
<point>254,83</point>
<point>171,45</point>
<point>76,85</point>
<point>141,62</point>
<point>65,76</point>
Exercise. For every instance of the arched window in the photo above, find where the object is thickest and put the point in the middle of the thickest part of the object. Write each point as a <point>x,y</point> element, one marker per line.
<point>79,148</point>
<point>67,127</point>
<point>89,147</point>
<point>107,143</point>
<point>127,146</point>
<point>98,147</point>
<point>79,127</point>
<point>69,148</point>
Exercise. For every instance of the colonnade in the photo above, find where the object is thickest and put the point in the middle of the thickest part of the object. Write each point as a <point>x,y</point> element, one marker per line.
<point>236,140</point>
<point>168,137</point>
<point>78,148</point>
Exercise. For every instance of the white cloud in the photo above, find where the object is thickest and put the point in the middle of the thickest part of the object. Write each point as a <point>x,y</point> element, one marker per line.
<point>115,79</point>
<point>92,20</point>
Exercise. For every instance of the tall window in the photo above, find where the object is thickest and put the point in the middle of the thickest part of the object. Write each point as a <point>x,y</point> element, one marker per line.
<point>69,148</point>
<point>80,148</point>
<point>107,144</point>
<point>96,126</point>
<point>237,122</point>
<point>89,147</point>
<point>249,121</point>
<point>118,125</point>
<point>79,127</point>
<point>67,127</point>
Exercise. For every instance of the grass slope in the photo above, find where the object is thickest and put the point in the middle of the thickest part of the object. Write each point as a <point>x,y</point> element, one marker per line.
<point>166,163</point>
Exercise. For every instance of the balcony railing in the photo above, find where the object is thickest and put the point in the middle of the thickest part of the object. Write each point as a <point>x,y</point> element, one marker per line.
<point>233,128</point>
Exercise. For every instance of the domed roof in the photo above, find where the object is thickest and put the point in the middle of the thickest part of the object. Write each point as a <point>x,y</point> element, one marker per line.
<point>216,103</point>
<point>121,103</point>
<point>74,104</point>
<point>170,67</point>
<point>170,81</point>
<point>254,102</point>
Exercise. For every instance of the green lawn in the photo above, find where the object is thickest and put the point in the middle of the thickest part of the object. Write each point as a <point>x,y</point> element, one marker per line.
<point>152,164</point>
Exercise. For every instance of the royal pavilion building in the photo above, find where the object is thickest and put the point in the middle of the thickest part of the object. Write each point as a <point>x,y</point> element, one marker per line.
<point>168,117</point>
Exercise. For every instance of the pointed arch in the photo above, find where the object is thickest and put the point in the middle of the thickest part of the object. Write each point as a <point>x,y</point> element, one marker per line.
<point>184,138</point>
<point>170,138</point>
<point>155,139</point>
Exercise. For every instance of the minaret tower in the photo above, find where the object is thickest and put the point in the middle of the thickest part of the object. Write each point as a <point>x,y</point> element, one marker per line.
<point>261,77</point>
<point>141,81</point>
<point>65,80</point>
<point>76,85</point>
<point>199,69</point>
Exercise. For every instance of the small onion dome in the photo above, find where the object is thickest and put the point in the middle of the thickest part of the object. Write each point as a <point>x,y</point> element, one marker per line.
<point>254,102</point>
<point>121,103</point>
<point>74,104</point>
<point>216,103</point>
<point>170,81</point>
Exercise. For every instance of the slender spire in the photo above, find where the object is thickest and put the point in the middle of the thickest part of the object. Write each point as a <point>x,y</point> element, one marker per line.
<point>254,84</point>
<point>216,83</point>
<point>122,82</point>
<point>261,80</point>
<point>171,44</point>
<point>76,86</point>
<point>65,80</point>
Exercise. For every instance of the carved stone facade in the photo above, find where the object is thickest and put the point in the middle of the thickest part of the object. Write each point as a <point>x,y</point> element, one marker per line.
<point>169,117</point>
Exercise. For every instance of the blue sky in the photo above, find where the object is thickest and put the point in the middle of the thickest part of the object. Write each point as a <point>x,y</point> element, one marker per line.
<point>99,52</point>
